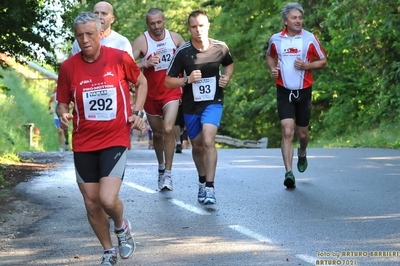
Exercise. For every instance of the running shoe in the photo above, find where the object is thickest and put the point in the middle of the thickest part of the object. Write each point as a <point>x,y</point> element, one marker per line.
<point>161,179</point>
<point>109,259</point>
<point>210,196</point>
<point>126,244</point>
<point>167,184</point>
<point>202,192</point>
<point>178,148</point>
<point>290,181</point>
<point>301,162</point>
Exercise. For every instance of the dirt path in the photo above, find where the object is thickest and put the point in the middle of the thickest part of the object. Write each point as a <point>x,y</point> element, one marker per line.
<point>14,209</point>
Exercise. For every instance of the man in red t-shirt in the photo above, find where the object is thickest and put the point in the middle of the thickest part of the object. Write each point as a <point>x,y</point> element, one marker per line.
<point>97,81</point>
<point>155,48</point>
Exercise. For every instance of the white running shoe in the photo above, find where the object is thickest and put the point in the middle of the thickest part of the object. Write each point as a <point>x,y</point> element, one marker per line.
<point>210,196</point>
<point>126,243</point>
<point>202,192</point>
<point>167,184</point>
<point>160,179</point>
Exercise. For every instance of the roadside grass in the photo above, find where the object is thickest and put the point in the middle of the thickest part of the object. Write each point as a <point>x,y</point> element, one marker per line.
<point>26,102</point>
<point>386,136</point>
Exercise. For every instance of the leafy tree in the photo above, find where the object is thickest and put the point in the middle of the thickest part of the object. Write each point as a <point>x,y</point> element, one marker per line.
<point>31,28</point>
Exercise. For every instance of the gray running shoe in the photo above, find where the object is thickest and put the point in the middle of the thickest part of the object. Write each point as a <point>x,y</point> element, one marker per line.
<point>109,259</point>
<point>210,196</point>
<point>202,192</point>
<point>126,244</point>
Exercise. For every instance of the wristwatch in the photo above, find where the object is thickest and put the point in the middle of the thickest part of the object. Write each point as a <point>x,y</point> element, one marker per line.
<point>186,80</point>
<point>138,113</point>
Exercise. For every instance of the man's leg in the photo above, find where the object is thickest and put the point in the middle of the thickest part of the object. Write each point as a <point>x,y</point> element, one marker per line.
<point>66,138</point>
<point>287,142</point>
<point>198,154</point>
<point>96,215</point>
<point>205,156</point>
<point>287,151</point>
<point>210,151</point>
<point>157,126</point>
<point>170,111</point>
<point>177,134</point>
<point>302,133</point>
<point>60,136</point>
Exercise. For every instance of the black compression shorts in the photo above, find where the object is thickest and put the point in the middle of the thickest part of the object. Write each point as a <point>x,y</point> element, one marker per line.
<point>295,104</point>
<point>91,166</point>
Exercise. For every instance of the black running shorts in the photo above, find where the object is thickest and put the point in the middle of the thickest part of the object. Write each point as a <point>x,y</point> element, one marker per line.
<point>91,166</point>
<point>295,104</point>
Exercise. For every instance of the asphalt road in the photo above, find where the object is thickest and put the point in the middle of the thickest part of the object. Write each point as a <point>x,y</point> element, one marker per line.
<point>344,211</point>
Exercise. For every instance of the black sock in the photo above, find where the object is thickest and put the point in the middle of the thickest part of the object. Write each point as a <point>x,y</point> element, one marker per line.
<point>202,179</point>
<point>209,184</point>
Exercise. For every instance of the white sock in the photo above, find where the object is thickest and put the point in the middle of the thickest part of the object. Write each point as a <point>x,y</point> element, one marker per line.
<point>122,227</point>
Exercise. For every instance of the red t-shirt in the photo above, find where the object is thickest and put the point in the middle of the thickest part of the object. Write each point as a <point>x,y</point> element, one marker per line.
<point>100,92</point>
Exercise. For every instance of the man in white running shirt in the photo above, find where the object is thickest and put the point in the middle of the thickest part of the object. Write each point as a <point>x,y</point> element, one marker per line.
<point>105,12</point>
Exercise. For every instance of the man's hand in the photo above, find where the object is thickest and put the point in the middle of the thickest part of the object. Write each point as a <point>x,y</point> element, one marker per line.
<point>136,122</point>
<point>64,120</point>
<point>154,60</point>
<point>194,76</point>
<point>223,81</point>
<point>275,72</point>
<point>299,64</point>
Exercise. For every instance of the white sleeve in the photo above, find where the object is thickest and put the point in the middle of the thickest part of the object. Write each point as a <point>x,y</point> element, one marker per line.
<point>128,47</point>
<point>75,48</point>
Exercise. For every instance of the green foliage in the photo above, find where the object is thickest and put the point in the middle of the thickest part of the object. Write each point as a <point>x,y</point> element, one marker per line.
<point>26,102</point>
<point>31,28</point>
<point>364,76</point>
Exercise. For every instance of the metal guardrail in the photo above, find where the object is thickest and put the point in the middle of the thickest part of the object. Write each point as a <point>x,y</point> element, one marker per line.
<point>262,143</point>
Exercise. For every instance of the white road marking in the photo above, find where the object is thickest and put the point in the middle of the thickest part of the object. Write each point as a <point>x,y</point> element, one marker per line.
<point>189,207</point>
<point>141,188</point>
<point>250,233</point>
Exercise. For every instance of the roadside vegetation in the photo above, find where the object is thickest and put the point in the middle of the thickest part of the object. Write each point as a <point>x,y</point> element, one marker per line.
<point>24,100</point>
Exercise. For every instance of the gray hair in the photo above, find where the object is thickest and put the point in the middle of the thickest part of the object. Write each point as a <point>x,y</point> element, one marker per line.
<point>86,17</point>
<point>154,11</point>
<point>290,7</point>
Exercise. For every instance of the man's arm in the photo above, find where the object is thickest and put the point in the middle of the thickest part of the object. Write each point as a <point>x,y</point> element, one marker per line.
<point>272,64</point>
<point>173,82</point>
<point>139,50</point>
<point>318,64</point>
<point>227,73</point>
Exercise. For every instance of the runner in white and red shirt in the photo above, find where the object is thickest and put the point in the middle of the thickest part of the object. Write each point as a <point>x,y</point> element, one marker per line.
<point>155,49</point>
<point>291,55</point>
